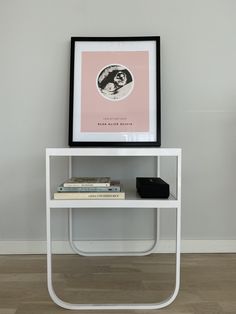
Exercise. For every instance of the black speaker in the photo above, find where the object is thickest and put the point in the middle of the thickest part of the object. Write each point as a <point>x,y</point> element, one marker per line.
<point>152,187</point>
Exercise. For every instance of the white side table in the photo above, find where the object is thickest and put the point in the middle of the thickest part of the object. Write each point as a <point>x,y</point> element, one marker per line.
<point>131,201</point>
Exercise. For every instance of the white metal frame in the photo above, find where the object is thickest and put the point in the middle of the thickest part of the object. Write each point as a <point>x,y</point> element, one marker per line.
<point>132,201</point>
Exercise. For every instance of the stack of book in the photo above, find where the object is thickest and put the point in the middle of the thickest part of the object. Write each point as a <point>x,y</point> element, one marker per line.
<point>99,188</point>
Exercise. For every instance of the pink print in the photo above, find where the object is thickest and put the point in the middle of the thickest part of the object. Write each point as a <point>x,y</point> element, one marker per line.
<point>115,91</point>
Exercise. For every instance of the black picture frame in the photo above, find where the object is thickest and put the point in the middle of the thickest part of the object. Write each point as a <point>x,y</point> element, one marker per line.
<point>140,126</point>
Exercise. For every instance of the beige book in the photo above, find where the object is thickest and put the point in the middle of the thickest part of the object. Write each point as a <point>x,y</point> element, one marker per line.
<point>89,195</point>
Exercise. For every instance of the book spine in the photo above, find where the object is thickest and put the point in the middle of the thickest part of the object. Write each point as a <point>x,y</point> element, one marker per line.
<point>86,184</point>
<point>89,189</point>
<point>90,196</point>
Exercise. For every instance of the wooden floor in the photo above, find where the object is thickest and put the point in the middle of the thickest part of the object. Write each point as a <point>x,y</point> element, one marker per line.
<point>208,283</point>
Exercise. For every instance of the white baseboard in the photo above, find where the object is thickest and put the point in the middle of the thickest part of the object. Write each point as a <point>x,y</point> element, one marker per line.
<point>164,246</point>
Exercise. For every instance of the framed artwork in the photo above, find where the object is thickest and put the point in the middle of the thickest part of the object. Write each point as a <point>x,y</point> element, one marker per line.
<point>115,92</point>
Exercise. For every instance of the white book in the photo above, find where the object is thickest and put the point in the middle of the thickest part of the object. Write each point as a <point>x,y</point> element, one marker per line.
<point>87,182</point>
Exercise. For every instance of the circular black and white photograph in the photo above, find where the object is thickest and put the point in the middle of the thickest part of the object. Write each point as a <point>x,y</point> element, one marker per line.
<point>115,82</point>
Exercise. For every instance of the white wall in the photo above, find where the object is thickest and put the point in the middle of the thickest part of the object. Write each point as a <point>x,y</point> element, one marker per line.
<point>198,47</point>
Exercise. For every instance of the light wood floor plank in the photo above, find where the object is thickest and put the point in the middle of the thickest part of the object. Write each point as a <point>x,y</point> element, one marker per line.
<point>208,283</point>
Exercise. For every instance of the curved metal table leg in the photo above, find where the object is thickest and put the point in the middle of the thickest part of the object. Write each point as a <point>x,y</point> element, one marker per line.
<point>133,306</point>
<point>150,250</point>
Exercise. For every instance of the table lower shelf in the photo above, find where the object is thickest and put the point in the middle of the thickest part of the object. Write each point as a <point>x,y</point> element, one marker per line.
<point>132,200</point>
